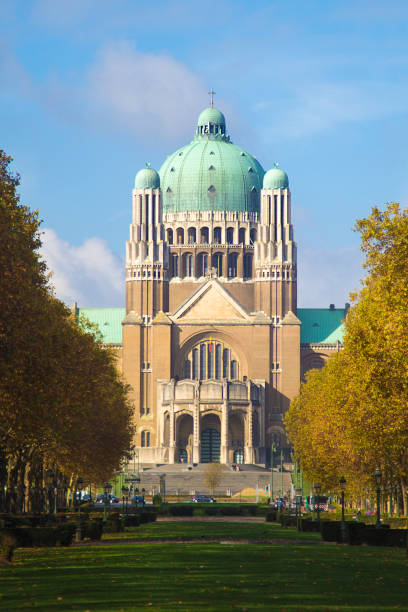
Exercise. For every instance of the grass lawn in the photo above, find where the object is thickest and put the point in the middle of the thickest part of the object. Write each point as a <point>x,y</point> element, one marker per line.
<point>201,576</point>
<point>185,530</point>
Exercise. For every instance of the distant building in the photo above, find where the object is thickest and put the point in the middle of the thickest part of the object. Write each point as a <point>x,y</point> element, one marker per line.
<point>211,340</point>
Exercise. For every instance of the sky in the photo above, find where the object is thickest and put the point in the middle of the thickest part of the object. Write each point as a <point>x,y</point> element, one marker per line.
<point>90,90</point>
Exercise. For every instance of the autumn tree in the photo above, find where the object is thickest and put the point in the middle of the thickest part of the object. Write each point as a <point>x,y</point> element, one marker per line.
<point>213,476</point>
<point>361,396</point>
<point>62,402</point>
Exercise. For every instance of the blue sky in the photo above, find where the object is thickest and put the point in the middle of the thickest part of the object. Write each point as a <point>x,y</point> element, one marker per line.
<point>92,89</point>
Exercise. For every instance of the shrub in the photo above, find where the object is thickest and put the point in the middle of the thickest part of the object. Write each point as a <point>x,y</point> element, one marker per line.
<point>199,512</point>
<point>331,531</point>
<point>181,510</point>
<point>92,529</point>
<point>157,500</point>
<point>270,516</point>
<point>131,520</point>
<point>113,524</point>
<point>309,525</point>
<point>8,544</point>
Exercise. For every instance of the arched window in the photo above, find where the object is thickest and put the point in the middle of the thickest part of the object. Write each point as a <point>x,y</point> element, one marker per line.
<point>248,265</point>
<point>169,236</point>
<point>202,264</point>
<point>242,235</point>
<point>232,265</point>
<point>191,235</point>
<point>180,235</point>
<point>187,265</point>
<point>210,359</point>
<point>145,439</point>
<point>230,235</point>
<point>252,236</point>
<point>174,265</point>
<point>204,235</point>
<point>217,263</point>
<point>217,235</point>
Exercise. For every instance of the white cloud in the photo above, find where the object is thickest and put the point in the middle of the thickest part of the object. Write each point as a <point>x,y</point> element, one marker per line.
<point>150,95</point>
<point>90,274</point>
<point>328,276</point>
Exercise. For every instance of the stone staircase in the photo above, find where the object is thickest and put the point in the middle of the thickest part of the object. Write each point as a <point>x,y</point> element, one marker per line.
<point>187,480</point>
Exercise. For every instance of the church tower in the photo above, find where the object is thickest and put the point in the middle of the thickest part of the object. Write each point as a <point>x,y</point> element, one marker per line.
<point>210,338</point>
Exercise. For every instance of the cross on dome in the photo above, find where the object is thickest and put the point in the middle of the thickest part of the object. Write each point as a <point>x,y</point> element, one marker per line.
<point>211,94</point>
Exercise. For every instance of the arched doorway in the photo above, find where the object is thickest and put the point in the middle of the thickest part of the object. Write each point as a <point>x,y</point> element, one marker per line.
<point>239,456</point>
<point>184,438</point>
<point>210,439</point>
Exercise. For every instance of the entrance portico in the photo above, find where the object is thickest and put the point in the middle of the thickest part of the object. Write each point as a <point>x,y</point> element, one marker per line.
<point>206,421</point>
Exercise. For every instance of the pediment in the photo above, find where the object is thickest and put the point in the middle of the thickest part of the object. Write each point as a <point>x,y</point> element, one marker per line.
<point>211,303</point>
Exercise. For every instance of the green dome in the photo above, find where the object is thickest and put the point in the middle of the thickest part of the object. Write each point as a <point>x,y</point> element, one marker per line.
<point>276,179</point>
<point>211,173</point>
<point>147,178</point>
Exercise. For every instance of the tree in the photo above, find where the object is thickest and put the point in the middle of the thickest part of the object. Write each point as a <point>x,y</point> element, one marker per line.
<point>62,402</point>
<point>213,476</point>
<point>361,396</point>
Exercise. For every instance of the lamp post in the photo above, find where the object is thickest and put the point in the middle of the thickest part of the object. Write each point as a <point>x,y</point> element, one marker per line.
<point>298,502</point>
<point>342,482</point>
<point>378,477</point>
<point>79,484</point>
<point>317,488</point>
<point>107,488</point>
<point>125,497</point>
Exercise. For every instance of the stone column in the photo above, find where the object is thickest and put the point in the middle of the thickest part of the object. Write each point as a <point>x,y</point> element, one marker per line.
<point>224,424</point>
<point>249,449</point>
<point>171,441</point>
<point>196,428</point>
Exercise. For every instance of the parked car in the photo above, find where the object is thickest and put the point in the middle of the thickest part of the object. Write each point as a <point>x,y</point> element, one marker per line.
<point>100,499</point>
<point>138,500</point>
<point>203,499</point>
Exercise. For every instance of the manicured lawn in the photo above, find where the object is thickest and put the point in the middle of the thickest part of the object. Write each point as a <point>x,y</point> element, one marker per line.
<point>200,576</point>
<point>195,531</point>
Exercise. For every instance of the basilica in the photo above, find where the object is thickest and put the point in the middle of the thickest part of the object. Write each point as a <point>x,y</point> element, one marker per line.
<point>211,340</point>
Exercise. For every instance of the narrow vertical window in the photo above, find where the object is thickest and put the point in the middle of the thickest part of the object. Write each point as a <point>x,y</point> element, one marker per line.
<point>234,369</point>
<point>218,361</point>
<point>203,361</point>
<point>195,364</point>
<point>210,360</point>
<point>225,363</point>
<point>147,438</point>
<point>187,368</point>
<point>143,440</point>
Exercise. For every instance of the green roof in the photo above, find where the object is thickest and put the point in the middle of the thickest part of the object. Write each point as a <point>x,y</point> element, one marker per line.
<point>109,321</point>
<point>276,178</point>
<point>321,325</point>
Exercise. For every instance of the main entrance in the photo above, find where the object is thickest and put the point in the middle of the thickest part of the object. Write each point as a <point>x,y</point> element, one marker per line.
<point>210,446</point>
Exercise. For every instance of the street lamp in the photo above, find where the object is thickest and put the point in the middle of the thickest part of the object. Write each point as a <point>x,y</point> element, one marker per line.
<point>342,482</point>
<point>298,502</point>
<point>317,488</point>
<point>125,497</point>
<point>79,484</point>
<point>378,477</point>
<point>107,488</point>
